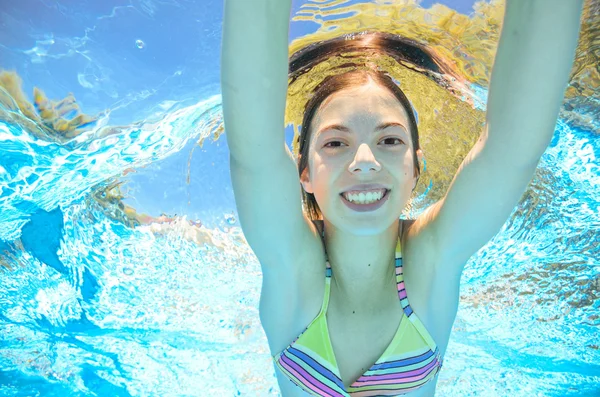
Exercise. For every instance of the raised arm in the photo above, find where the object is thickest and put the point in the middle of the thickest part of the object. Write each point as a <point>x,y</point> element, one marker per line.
<point>254,77</point>
<point>530,75</point>
<point>263,173</point>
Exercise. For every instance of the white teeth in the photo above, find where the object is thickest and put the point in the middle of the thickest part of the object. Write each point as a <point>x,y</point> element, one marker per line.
<point>364,198</point>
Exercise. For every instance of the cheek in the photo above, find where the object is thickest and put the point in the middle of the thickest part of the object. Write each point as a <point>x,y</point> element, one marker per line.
<point>323,181</point>
<point>320,179</point>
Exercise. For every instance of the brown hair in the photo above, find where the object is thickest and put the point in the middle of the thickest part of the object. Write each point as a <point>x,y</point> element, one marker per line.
<point>331,85</point>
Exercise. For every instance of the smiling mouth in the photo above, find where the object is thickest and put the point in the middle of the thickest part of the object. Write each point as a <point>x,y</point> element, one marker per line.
<point>365,197</point>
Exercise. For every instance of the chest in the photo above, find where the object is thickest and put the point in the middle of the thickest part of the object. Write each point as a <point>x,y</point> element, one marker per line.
<point>359,341</point>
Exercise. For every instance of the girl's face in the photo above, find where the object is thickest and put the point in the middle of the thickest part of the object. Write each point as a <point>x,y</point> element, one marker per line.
<point>360,137</point>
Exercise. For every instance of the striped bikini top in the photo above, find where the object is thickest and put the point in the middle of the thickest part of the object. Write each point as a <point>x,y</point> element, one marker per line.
<point>410,360</point>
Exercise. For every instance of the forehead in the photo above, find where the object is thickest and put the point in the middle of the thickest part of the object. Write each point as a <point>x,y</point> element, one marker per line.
<point>367,102</point>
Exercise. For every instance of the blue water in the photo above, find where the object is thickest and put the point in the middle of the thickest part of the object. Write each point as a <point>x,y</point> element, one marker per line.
<point>93,306</point>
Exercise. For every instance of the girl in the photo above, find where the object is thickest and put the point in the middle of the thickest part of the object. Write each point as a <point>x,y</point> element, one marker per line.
<point>354,300</point>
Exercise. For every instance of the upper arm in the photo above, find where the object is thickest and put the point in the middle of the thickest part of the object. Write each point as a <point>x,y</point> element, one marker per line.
<point>268,200</point>
<point>254,65</point>
<point>480,199</point>
<point>269,204</point>
<point>254,85</point>
<point>254,82</point>
<point>530,74</point>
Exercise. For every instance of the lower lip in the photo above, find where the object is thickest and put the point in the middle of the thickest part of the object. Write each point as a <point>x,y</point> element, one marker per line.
<point>366,207</point>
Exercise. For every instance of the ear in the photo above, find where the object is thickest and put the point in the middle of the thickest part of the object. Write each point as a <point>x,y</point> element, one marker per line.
<point>305,181</point>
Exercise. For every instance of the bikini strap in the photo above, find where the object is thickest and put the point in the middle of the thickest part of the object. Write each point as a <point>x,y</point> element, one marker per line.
<point>321,227</point>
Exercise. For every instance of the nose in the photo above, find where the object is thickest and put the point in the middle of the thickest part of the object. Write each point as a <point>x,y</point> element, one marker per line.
<point>364,160</point>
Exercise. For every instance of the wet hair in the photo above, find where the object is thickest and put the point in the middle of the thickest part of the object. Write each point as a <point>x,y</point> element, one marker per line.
<point>336,83</point>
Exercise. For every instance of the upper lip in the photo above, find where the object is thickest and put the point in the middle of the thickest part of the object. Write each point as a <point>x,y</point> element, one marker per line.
<point>366,186</point>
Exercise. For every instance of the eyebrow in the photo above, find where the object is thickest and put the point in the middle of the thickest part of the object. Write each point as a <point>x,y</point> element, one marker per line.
<point>380,127</point>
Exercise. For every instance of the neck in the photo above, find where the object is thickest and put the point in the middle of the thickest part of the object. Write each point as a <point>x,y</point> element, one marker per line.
<point>363,267</point>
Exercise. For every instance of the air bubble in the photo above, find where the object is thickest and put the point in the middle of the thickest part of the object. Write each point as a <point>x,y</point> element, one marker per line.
<point>230,218</point>
<point>140,44</point>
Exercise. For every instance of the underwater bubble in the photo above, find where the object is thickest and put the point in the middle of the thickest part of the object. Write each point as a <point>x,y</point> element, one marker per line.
<point>230,218</point>
<point>127,271</point>
<point>140,44</point>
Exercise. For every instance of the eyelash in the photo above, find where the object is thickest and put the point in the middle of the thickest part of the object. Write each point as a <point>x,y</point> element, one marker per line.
<point>331,147</point>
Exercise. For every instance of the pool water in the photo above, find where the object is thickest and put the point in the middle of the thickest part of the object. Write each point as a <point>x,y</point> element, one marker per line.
<point>123,268</point>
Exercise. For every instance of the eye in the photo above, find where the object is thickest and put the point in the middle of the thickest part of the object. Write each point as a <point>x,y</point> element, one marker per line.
<point>393,139</point>
<point>333,144</point>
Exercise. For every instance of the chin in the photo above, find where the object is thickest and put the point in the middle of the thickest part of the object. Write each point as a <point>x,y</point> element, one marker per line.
<point>366,227</point>
<point>361,224</point>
